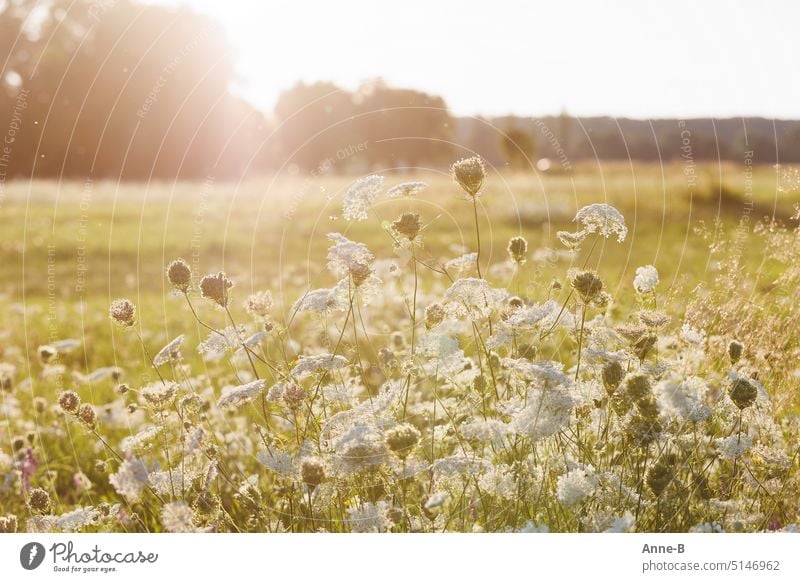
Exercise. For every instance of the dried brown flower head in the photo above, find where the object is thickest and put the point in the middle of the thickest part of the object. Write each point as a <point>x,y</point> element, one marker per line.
<point>123,311</point>
<point>517,249</point>
<point>215,288</point>
<point>469,173</point>
<point>69,401</point>
<point>408,225</point>
<point>179,275</point>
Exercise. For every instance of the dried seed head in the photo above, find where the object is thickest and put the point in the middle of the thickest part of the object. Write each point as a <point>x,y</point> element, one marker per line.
<point>123,311</point>
<point>612,376</point>
<point>743,392</point>
<point>312,471</point>
<point>401,439</point>
<point>123,389</point>
<point>294,395</point>
<point>661,474</point>
<point>39,404</point>
<point>87,415</point>
<point>360,272</point>
<point>637,387</point>
<point>642,430</point>
<point>69,401</point>
<point>434,315</point>
<point>47,353</point>
<point>515,302</point>
<point>735,350</point>
<point>179,275</point>
<point>408,225</point>
<point>39,500</point>
<point>215,288</point>
<point>517,249</point>
<point>469,173</point>
<point>159,395</point>
<point>587,284</point>
<point>7,373</point>
<point>17,443</point>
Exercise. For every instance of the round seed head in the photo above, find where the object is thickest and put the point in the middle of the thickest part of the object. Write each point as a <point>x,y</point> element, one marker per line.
<point>587,284</point>
<point>312,471</point>
<point>743,392</point>
<point>401,439</point>
<point>39,500</point>
<point>87,415</point>
<point>69,401</point>
<point>434,315</point>
<point>469,173</point>
<point>123,311</point>
<point>179,275</point>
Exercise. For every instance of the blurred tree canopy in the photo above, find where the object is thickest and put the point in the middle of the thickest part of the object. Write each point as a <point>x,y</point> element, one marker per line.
<point>122,90</point>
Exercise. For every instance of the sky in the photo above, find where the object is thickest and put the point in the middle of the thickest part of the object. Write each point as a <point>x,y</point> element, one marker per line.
<point>627,58</point>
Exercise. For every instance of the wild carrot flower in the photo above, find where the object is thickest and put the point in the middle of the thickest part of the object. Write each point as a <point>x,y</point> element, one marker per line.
<point>406,189</point>
<point>401,439</point>
<point>743,392</point>
<point>215,288</point>
<point>646,279</point>
<point>360,197</point>
<point>179,274</point>
<point>517,249</point>
<point>576,485</point>
<point>434,315</point>
<point>603,219</point>
<point>39,500</point>
<point>69,401</point>
<point>159,395</point>
<point>407,226</point>
<point>259,304</point>
<point>130,479</point>
<point>469,173</point>
<point>87,415</point>
<point>586,283</point>
<point>235,396</point>
<point>572,240</point>
<point>177,517</point>
<point>123,312</point>
<point>312,471</point>
<point>170,352</point>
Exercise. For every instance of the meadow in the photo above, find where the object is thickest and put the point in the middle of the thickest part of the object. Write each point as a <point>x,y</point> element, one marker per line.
<point>613,348</point>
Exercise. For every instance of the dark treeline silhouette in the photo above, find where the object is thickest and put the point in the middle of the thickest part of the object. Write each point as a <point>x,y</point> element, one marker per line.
<point>116,89</point>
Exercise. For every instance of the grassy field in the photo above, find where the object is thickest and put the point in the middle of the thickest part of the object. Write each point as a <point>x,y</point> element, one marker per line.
<point>69,249</point>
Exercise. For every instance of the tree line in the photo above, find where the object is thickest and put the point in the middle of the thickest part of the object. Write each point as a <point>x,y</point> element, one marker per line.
<point>121,90</point>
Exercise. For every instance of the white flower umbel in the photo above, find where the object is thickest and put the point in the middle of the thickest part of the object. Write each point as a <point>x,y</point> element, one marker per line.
<point>360,197</point>
<point>603,219</point>
<point>646,279</point>
<point>236,396</point>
